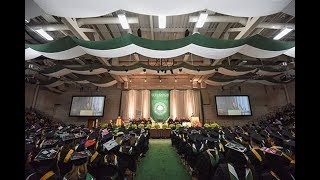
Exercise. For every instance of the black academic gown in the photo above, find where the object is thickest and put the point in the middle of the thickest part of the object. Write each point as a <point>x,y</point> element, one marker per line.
<point>259,166</point>
<point>222,172</point>
<point>206,168</point>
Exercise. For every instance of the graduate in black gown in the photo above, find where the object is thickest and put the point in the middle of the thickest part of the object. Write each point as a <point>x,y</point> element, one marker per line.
<point>237,165</point>
<point>208,160</point>
<point>79,169</point>
<point>45,164</point>
<point>65,153</point>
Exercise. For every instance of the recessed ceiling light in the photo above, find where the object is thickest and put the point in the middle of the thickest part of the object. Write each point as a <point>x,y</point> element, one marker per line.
<point>123,21</point>
<point>44,34</point>
<point>201,20</point>
<point>282,33</point>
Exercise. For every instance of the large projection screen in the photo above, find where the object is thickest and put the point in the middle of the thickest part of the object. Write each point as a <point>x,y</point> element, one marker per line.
<point>233,106</point>
<point>87,106</point>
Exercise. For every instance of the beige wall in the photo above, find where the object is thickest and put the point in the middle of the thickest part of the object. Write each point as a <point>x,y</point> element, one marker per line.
<point>263,100</point>
<point>58,105</point>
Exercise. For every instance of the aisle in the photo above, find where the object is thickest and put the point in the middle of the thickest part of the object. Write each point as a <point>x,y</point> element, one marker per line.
<point>161,162</point>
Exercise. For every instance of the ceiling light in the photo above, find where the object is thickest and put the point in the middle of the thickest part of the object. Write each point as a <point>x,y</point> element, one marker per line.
<point>171,71</point>
<point>244,61</point>
<point>162,22</point>
<point>145,80</point>
<point>284,64</point>
<point>201,20</point>
<point>282,33</point>
<point>190,80</point>
<point>123,21</point>
<point>26,21</point>
<point>160,80</point>
<point>175,80</point>
<point>130,80</point>
<point>44,34</point>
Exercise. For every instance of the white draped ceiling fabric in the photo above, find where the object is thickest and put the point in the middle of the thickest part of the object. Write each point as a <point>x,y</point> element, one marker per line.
<point>184,103</point>
<point>135,104</point>
<point>94,8</point>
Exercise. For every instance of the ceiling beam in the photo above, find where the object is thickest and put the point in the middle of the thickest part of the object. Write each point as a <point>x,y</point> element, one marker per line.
<point>104,31</point>
<point>73,26</point>
<point>219,30</point>
<point>250,26</point>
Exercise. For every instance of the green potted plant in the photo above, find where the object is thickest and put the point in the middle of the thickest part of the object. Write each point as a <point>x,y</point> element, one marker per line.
<point>214,125</point>
<point>164,126</point>
<point>127,126</point>
<point>157,126</point>
<point>172,126</point>
<point>104,125</point>
<point>206,125</point>
<point>187,126</point>
<point>178,126</point>
<point>141,126</point>
<point>149,126</point>
<point>134,126</point>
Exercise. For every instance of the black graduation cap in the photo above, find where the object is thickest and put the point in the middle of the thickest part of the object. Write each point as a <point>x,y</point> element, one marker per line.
<point>229,136</point>
<point>210,140</point>
<point>287,134</point>
<point>46,154</point>
<point>50,134</point>
<point>125,137</point>
<point>109,145</point>
<point>49,143</point>
<point>245,137</point>
<point>107,137</point>
<point>236,146</point>
<point>86,130</point>
<point>214,134</point>
<point>256,138</point>
<point>94,135</point>
<point>68,138</point>
<point>290,144</point>
<point>137,131</point>
<point>276,136</point>
<point>80,157</point>
<point>264,133</point>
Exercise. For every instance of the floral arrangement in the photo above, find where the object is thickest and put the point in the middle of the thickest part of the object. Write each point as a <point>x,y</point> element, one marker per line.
<point>214,125</point>
<point>206,125</point>
<point>172,126</point>
<point>164,126</point>
<point>141,126</point>
<point>157,126</point>
<point>134,126</point>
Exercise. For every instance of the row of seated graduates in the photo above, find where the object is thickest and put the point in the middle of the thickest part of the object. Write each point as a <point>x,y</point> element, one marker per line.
<point>206,153</point>
<point>99,164</point>
<point>177,120</point>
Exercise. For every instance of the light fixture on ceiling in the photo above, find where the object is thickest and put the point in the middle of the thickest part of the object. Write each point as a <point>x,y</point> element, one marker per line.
<point>244,61</point>
<point>175,80</point>
<point>145,80</point>
<point>160,80</point>
<point>144,70</point>
<point>171,71</point>
<point>190,80</point>
<point>282,33</point>
<point>162,22</point>
<point>130,80</point>
<point>26,21</point>
<point>123,21</point>
<point>201,20</point>
<point>180,69</point>
<point>44,34</point>
<point>284,64</point>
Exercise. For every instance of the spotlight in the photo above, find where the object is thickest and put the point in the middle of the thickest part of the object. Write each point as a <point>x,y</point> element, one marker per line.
<point>157,70</point>
<point>144,70</point>
<point>171,71</point>
<point>165,71</point>
<point>216,69</point>
<point>161,70</point>
<point>160,80</point>
<point>126,70</point>
<point>91,70</point>
<point>198,69</point>
<point>108,70</point>
<point>175,80</point>
<point>139,32</point>
<point>145,80</point>
<point>190,80</point>
<point>130,80</point>
<point>180,70</point>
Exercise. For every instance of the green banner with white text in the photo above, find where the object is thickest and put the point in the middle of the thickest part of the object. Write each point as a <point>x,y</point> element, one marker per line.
<point>160,104</point>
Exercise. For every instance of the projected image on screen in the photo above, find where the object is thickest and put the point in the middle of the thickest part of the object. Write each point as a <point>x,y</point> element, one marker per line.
<point>87,106</point>
<point>233,105</point>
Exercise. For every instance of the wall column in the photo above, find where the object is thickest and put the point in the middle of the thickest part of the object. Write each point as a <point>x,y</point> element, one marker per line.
<point>35,96</point>
<point>286,93</point>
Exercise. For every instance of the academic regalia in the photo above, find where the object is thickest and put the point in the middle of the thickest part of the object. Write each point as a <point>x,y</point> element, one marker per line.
<point>125,159</point>
<point>78,159</point>
<point>236,164</point>
<point>45,165</point>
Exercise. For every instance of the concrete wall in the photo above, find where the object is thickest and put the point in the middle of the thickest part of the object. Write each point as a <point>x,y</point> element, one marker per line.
<point>263,99</point>
<point>58,106</point>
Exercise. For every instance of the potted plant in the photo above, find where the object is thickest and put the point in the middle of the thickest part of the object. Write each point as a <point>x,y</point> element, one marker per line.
<point>214,125</point>
<point>141,126</point>
<point>149,126</point>
<point>127,126</point>
<point>104,125</point>
<point>206,125</point>
<point>178,126</point>
<point>134,126</point>
<point>157,126</point>
<point>172,126</point>
<point>164,126</point>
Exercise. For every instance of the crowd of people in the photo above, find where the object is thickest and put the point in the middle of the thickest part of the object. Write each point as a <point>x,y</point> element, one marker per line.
<point>262,151</point>
<point>57,151</point>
